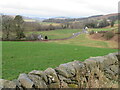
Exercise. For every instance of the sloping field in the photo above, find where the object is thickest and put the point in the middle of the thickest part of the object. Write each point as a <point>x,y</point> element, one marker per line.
<point>23,57</point>
<point>85,40</point>
<point>57,34</point>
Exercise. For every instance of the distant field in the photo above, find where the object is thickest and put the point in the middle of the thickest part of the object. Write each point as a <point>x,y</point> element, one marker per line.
<point>48,23</point>
<point>57,34</point>
<point>22,57</point>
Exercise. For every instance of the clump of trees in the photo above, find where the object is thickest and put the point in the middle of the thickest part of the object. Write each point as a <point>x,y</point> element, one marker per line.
<point>97,23</point>
<point>103,23</point>
<point>12,28</point>
<point>18,25</point>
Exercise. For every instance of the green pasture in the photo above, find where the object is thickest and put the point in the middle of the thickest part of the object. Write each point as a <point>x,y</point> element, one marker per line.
<point>85,40</point>
<point>57,34</point>
<point>23,57</point>
<point>100,29</point>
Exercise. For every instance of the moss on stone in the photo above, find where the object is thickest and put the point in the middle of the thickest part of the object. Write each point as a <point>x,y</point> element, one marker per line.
<point>73,85</point>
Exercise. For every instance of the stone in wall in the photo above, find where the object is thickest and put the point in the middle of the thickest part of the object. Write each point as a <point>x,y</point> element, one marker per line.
<point>7,84</point>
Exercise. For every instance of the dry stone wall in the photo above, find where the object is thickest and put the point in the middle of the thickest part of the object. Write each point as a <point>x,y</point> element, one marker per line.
<point>95,72</point>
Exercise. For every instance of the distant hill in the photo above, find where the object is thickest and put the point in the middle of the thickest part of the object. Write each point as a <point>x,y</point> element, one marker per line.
<point>95,17</point>
<point>63,19</point>
<point>105,16</point>
<point>109,15</point>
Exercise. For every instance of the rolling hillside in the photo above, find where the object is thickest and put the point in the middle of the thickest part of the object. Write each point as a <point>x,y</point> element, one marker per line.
<point>95,17</point>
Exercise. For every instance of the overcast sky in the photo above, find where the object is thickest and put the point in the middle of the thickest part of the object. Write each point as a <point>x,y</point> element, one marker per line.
<point>55,8</point>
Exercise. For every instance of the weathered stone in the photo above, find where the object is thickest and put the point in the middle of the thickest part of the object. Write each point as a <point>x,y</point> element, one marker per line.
<point>114,68</point>
<point>108,71</point>
<point>109,74</point>
<point>78,65</point>
<point>90,63</point>
<point>110,59</point>
<point>80,71</point>
<point>100,62</point>
<point>49,81</point>
<point>51,73</point>
<point>70,68</point>
<point>71,81</point>
<point>7,84</point>
<point>25,81</point>
<point>18,84</point>
<point>67,80</point>
<point>62,72</point>
<point>39,73</point>
<point>64,84</point>
<point>66,70</point>
<point>54,85</point>
<point>38,82</point>
<point>62,78</point>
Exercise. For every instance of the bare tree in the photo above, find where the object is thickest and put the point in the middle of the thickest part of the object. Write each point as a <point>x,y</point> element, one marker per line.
<point>7,22</point>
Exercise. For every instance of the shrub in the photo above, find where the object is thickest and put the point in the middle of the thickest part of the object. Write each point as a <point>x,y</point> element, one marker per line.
<point>91,32</point>
<point>109,35</point>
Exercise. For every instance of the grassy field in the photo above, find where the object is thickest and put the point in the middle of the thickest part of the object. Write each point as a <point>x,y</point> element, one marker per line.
<point>85,40</point>
<point>22,57</point>
<point>57,34</point>
<point>100,29</point>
